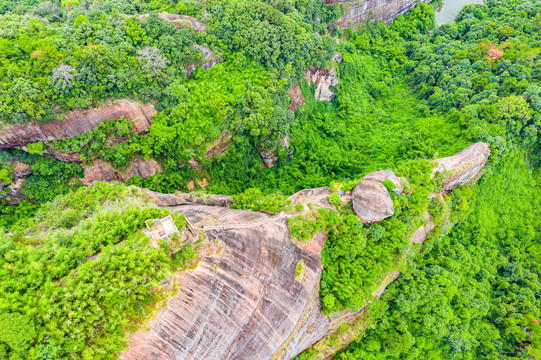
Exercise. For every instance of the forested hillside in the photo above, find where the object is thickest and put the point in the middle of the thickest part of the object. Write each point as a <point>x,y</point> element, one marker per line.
<point>220,75</point>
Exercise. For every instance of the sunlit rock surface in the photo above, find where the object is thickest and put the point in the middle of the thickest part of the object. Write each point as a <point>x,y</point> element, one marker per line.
<point>386,175</point>
<point>462,167</point>
<point>358,12</point>
<point>371,201</point>
<point>76,123</point>
<point>242,304</point>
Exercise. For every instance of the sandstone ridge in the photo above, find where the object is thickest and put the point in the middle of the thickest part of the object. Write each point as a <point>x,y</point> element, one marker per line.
<point>76,123</point>
<point>358,12</point>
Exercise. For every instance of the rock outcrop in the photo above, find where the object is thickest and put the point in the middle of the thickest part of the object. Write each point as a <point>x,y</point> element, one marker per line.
<point>371,201</point>
<point>210,57</point>
<point>217,148</point>
<point>103,171</point>
<point>358,12</point>
<point>190,199</point>
<point>324,79</point>
<point>296,98</point>
<point>76,123</point>
<point>242,304</point>
<point>270,157</point>
<point>387,175</point>
<point>462,167</point>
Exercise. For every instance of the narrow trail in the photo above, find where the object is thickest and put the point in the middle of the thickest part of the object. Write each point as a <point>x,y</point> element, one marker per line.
<point>266,220</point>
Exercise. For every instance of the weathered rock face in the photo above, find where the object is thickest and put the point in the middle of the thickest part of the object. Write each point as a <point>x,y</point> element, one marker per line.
<point>462,167</point>
<point>76,123</point>
<point>371,201</point>
<point>190,199</point>
<point>386,175</point>
<point>270,157</point>
<point>358,12</point>
<point>295,95</point>
<point>218,148</point>
<point>324,79</point>
<point>242,304</point>
<point>103,171</point>
<point>210,60</point>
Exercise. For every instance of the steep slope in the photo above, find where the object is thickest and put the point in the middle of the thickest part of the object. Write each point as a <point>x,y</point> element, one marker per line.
<point>358,12</point>
<point>245,302</point>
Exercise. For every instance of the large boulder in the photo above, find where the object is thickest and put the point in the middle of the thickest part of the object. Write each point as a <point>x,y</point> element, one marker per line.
<point>371,201</point>
<point>386,175</point>
<point>462,167</point>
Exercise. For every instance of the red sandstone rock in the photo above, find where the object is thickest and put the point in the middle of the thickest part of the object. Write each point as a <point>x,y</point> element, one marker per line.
<point>103,171</point>
<point>295,95</point>
<point>358,12</point>
<point>386,175</point>
<point>76,123</point>
<point>462,167</point>
<point>371,201</point>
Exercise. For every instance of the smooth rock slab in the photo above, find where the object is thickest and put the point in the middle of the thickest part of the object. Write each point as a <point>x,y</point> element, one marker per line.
<point>462,167</point>
<point>371,201</point>
<point>386,175</point>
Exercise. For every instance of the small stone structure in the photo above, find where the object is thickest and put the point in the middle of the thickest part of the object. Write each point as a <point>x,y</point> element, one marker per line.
<point>166,229</point>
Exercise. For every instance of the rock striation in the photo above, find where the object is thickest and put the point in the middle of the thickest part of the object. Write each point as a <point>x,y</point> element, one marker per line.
<point>358,12</point>
<point>242,304</point>
<point>76,123</point>
<point>462,167</point>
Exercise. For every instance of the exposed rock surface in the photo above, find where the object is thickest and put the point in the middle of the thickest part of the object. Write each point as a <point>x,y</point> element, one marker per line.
<point>76,123</point>
<point>324,79</point>
<point>270,157</point>
<point>386,175</point>
<point>13,193</point>
<point>190,199</point>
<point>371,201</point>
<point>242,304</point>
<point>357,12</point>
<point>462,167</point>
<point>295,95</point>
<point>217,148</point>
<point>103,171</point>
<point>245,302</point>
<point>211,59</point>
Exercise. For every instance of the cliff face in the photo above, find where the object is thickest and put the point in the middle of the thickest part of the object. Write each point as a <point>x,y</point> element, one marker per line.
<point>357,12</point>
<point>242,304</point>
<point>245,303</point>
<point>76,123</point>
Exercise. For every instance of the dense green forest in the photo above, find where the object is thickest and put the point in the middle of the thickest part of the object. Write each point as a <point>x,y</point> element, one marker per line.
<point>409,92</point>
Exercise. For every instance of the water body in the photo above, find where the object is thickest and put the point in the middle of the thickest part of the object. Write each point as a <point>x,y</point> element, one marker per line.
<point>450,8</point>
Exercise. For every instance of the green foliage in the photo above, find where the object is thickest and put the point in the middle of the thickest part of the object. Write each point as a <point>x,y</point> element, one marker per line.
<point>17,331</point>
<point>470,295</point>
<point>35,148</point>
<point>75,275</point>
<point>255,200</point>
<point>299,270</point>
